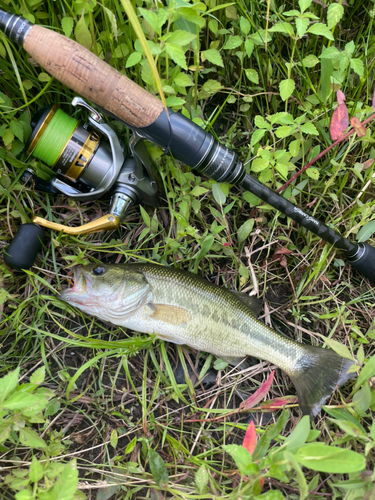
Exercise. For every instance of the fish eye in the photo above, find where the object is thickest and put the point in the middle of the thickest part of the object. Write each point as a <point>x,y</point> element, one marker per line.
<point>99,270</point>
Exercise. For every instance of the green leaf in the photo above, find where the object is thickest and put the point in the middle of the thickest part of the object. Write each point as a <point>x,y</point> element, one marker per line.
<point>310,61</point>
<point>362,399</point>
<point>220,364</point>
<point>367,371</point>
<point>206,245</point>
<point>320,29</point>
<point>343,414</point>
<point>145,216</point>
<point>301,25</point>
<point>22,400</point>
<point>282,132</point>
<point>3,52</point>
<point>175,101</point>
<point>133,59</point>
<point>330,459</point>
<point>252,75</point>
<point>183,80</point>
<point>357,66</point>
<point>286,88</point>
<point>82,33</point>
<point>271,495</point>
<point>259,164</point>
<point>244,231</point>
<point>210,87</point>
<point>242,458</point>
<point>257,136</point>
<point>30,438</point>
<point>218,194</point>
<point>282,27</point>
<point>112,21</point>
<point>193,17</point>
<point>244,25</point>
<point>179,37</point>
<point>329,53</point>
<point>233,42</point>
<point>212,25</point>
<point>67,24</point>
<point>158,468</point>
<point>309,128</point>
<point>249,47</point>
<point>270,433</point>
<point>299,434</point>
<point>201,479</point>
<point>44,77</point>
<point>334,14</point>
<point>251,198</point>
<point>176,54</point>
<point>131,445</point>
<point>24,495</point>
<point>338,347</point>
<point>38,376</point>
<point>350,428</point>
<point>302,483</point>
<point>36,470</point>
<point>366,231</point>
<point>152,19</point>
<point>114,438</point>
<point>122,50</point>
<point>213,56</point>
<point>8,383</point>
<point>313,173</point>
<point>67,482</point>
<point>198,191</point>
<point>304,4</point>
<point>294,147</point>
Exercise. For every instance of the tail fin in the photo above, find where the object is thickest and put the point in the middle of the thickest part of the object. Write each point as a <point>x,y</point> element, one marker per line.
<point>321,371</point>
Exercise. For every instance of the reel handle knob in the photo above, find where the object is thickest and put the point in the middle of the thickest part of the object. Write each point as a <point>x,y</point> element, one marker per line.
<point>22,251</point>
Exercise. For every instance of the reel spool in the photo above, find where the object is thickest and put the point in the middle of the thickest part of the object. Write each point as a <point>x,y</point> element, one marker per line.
<point>88,161</point>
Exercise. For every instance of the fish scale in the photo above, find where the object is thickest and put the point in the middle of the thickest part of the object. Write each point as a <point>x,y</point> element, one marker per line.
<point>183,308</point>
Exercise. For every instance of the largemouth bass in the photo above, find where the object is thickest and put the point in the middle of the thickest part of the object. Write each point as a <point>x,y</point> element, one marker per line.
<point>183,308</point>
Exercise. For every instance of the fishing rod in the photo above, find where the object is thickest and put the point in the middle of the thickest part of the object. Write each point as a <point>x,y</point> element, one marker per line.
<point>119,97</point>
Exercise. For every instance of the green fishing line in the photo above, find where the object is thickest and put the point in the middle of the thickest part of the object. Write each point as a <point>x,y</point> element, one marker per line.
<point>55,138</point>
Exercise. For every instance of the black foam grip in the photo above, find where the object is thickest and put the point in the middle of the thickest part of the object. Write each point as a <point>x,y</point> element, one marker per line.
<point>364,261</point>
<point>22,252</point>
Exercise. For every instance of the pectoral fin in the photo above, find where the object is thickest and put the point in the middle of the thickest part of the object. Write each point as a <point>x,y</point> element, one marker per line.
<point>170,314</point>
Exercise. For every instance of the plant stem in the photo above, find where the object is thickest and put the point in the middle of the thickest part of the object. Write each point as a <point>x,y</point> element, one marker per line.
<point>320,155</point>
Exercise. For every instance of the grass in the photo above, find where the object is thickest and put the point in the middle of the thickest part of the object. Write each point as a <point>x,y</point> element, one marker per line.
<point>123,409</point>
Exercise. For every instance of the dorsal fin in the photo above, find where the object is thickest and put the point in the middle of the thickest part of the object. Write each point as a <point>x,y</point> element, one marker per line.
<point>253,303</point>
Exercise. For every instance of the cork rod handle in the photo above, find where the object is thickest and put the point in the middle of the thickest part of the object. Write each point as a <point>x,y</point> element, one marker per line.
<point>82,71</point>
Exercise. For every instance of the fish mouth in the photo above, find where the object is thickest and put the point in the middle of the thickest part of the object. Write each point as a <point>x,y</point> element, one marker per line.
<point>79,287</point>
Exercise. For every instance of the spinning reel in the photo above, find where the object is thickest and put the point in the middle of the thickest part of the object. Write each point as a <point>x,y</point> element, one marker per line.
<point>88,161</point>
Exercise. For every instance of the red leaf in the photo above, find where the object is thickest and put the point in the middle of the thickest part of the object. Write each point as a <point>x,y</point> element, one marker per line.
<point>359,128</point>
<point>368,163</point>
<point>277,403</point>
<point>259,394</point>
<point>281,251</point>
<point>340,96</point>
<point>339,122</point>
<point>250,439</point>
